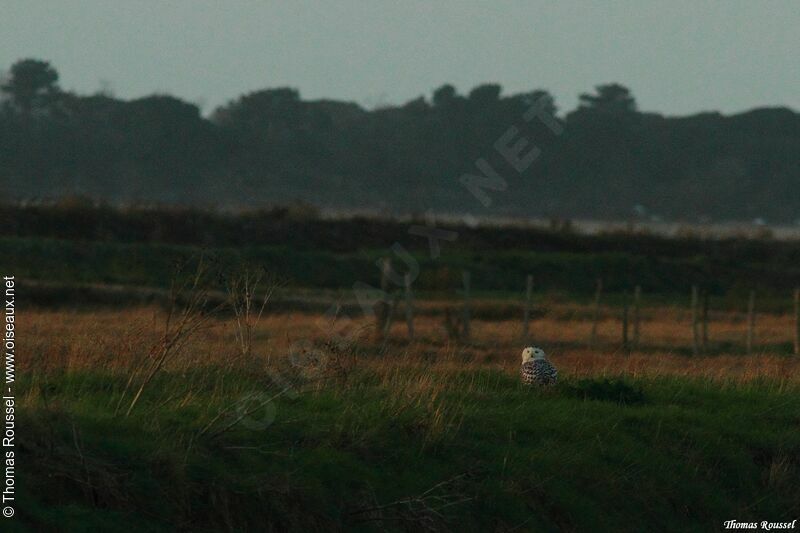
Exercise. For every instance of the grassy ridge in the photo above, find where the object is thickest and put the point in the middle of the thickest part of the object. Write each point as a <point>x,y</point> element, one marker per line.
<point>301,226</point>
<point>152,265</point>
<point>402,448</point>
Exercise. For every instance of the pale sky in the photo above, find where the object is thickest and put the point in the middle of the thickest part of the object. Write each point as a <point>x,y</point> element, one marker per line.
<point>678,57</point>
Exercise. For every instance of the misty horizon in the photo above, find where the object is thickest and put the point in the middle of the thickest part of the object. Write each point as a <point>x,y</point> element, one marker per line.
<point>427,96</point>
<point>679,59</point>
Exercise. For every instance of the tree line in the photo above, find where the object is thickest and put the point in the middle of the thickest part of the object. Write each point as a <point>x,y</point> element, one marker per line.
<point>271,147</point>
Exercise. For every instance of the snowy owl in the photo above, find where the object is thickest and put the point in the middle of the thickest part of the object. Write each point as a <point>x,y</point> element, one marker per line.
<point>536,370</point>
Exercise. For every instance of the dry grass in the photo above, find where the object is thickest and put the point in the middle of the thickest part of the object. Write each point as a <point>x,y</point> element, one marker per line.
<point>114,339</point>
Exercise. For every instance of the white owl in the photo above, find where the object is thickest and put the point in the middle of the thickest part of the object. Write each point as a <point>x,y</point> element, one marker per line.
<point>536,369</point>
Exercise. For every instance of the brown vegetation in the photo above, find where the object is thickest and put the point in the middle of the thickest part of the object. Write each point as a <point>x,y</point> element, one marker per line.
<point>117,339</point>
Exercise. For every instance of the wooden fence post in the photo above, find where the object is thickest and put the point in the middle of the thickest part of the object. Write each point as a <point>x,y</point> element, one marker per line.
<point>384,308</point>
<point>797,321</point>
<point>409,305</point>
<point>705,321</point>
<point>386,269</point>
<point>637,301</point>
<point>528,304</point>
<point>465,319</point>
<point>751,321</point>
<point>695,331</point>
<point>625,345</point>
<point>596,313</point>
<point>391,309</point>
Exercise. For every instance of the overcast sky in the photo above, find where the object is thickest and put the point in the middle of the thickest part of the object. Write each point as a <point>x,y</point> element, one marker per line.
<point>677,57</point>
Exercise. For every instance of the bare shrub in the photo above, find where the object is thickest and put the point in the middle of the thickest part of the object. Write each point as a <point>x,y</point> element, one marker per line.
<point>188,313</point>
<point>247,305</point>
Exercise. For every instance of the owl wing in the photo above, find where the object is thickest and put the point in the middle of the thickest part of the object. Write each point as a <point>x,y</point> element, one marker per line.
<point>545,372</point>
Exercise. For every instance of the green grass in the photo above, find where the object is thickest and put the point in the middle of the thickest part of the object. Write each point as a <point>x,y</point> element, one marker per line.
<point>497,272</point>
<point>484,452</point>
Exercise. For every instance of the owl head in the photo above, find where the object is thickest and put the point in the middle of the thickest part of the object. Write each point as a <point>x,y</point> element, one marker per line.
<point>531,352</point>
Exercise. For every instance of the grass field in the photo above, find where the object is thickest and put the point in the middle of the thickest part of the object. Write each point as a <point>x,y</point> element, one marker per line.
<point>726,276</point>
<point>385,434</point>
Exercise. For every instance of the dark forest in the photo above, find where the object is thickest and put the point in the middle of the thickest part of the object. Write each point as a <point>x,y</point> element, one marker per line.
<point>606,159</point>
